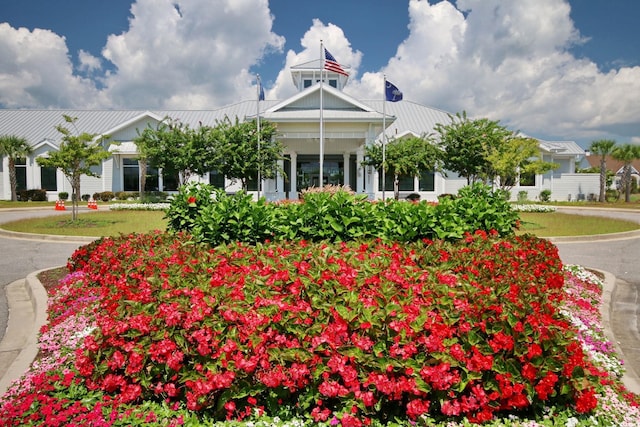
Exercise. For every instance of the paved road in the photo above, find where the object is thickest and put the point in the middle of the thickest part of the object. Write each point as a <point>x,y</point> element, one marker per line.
<point>19,257</point>
<point>619,255</point>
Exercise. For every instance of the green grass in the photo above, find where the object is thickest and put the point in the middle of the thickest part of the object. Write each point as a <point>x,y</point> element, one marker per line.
<point>112,223</point>
<point>93,224</point>
<point>561,224</point>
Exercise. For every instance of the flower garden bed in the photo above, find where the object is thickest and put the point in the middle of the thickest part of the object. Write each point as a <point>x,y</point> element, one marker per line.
<point>157,329</point>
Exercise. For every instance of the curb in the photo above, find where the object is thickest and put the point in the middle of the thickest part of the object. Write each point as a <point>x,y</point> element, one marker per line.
<point>27,301</point>
<point>630,378</point>
<point>46,237</point>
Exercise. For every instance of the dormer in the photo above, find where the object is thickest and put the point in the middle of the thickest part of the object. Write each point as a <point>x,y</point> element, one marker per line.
<point>309,73</point>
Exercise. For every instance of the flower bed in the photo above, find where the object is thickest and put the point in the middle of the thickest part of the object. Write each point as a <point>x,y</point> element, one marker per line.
<point>154,329</point>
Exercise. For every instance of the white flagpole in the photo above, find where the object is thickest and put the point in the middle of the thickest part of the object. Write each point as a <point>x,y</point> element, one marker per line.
<point>258,87</point>
<point>384,136</point>
<point>321,177</point>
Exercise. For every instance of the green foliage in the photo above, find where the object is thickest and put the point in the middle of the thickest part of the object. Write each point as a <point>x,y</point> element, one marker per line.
<point>77,155</point>
<point>545,195</point>
<point>215,217</point>
<point>32,195</point>
<point>626,153</point>
<point>63,195</point>
<point>404,157</point>
<point>240,153</point>
<point>467,143</point>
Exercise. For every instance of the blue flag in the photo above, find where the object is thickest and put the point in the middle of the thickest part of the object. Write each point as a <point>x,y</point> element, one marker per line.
<point>260,91</point>
<point>392,93</point>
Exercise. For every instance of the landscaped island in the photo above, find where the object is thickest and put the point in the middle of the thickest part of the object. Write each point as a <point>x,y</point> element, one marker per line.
<point>475,326</point>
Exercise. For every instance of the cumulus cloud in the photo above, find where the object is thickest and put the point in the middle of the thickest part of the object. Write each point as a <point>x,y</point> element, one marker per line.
<point>188,54</point>
<point>36,72</point>
<point>508,61</point>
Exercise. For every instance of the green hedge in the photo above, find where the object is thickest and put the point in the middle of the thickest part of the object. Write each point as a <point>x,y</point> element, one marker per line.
<point>215,217</point>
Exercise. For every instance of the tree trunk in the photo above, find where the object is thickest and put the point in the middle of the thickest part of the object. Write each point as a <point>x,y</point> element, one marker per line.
<point>603,180</point>
<point>627,183</point>
<point>75,195</point>
<point>13,180</point>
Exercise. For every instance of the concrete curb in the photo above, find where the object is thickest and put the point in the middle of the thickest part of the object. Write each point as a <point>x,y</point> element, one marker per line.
<point>27,300</point>
<point>46,237</point>
<point>630,379</point>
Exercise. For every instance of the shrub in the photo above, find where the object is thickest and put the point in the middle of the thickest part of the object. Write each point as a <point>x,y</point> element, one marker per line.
<point>523,196</point>
<point>32,195</point>
<point>545,195</point>
<point>374,330</point>
<point>104,196</point>
<point>215,217</point>
<point>86,197</point>
<point>63,195</point>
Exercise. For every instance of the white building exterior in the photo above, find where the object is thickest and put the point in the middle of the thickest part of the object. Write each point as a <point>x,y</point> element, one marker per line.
<point>348,125</point>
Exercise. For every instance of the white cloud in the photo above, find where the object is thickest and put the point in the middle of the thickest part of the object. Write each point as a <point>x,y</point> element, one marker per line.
<point>35,71</point>
<point>509,61</point>
<point>188,54</point>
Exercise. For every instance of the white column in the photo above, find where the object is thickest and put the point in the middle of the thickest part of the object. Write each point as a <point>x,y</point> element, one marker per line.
<point>293,176</point>
<point>360,171</point>
<point>346,170</point>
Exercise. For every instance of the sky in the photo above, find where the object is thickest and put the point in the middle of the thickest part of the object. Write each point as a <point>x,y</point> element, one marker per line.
<point>553,69</point>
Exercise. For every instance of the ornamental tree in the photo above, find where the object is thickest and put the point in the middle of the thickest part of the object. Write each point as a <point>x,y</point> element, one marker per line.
<point>515,156</point>
<point>176,148</point>
<point>240,153</point>
<point>466,144</point>
<point>404,157</point>
<point>14,147</point>
<point>77,155</point>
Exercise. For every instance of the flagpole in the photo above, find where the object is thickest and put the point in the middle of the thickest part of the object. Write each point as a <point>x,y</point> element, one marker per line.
<point>384,136</point>
<point>258,87</point>
<point>321,173</point>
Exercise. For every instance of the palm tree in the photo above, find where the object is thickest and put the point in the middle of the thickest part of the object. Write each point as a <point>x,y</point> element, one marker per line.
<point>15,148</point>
<point>626,153</point>
<point>603,148</point>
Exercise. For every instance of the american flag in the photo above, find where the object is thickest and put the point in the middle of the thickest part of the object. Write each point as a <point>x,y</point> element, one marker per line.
<point>331,64</point>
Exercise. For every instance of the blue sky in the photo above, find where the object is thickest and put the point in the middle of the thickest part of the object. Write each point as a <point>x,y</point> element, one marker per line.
<point>555,69</point>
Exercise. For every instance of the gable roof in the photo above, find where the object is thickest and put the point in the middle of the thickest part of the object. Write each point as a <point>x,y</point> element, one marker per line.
<point>613,165</point>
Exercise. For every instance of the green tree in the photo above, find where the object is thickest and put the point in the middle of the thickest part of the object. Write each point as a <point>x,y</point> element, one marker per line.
<point>404,157</point>
<point>76,156</point>
<point>466,144</point>
<point>602,148</point>
<point>626,153</point>
<point>235,150</point>
<point>515,156</point>
<point>14,147</point>
<point>176,148</point>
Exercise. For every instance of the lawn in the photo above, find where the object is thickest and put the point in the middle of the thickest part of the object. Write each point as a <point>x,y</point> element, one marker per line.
<point>112,223</point>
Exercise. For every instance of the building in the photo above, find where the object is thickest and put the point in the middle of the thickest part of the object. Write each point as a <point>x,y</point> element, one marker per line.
<point>348,125</point>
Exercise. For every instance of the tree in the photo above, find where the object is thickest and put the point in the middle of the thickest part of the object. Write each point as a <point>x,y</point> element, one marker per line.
<point>603,148</point>
<point>404,157</point>
<point>76,156</point>
<point>14,147</point>
<point>236,154</point>
<point>626,153</point>
<point>515,156</point>
<point>466,144</point>
<point>176,148</point>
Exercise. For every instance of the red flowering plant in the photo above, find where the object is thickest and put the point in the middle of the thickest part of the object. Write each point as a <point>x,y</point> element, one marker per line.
<point>370,330</point>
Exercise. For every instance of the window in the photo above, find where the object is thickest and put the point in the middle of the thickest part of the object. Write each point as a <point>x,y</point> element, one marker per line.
<point>48,178</point>
<point>527,179</point>
<point>216,179</point>
<point>427,181</point>
<point>21,174</point>
<point>307,83</point>
<point>131,175</point>
<point>405,183</point>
